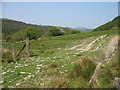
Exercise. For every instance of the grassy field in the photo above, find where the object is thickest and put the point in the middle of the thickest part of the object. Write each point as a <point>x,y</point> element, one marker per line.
<point>66,61</point>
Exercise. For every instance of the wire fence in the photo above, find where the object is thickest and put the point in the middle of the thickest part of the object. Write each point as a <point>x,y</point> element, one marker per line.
<point>17,46</point>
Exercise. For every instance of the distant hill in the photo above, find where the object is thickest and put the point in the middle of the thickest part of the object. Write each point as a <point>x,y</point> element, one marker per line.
<point>12,26</point>
<point>82,29</point>
<point>16,29</point>
<point>114,24</point>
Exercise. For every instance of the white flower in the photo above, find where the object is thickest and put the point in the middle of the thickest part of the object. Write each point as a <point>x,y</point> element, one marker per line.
<point>17,84</point>
<point>12,71</point>
<point>16,66</point>
<point>59,48</point>
<point>38,68</point>
<point>3,73</point>
<point>22,72</point>
<point>1,82</point>
<point>66,70</point>
<point>42,79</point>
<point>33,75</point>
<point>61,72</point>
<point>48,57</point>
<point>42,84</point>
<point>9,82</point>
<point>29,73</point>
<point>72,62</point>
<point>49,78</point>
<point>29,76</point>
<point>26,64</point>
<point>62,66</point>
<point>39,65</point>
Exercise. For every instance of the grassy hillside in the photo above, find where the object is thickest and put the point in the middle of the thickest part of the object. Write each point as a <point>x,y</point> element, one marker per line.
<point>11,26</point>
<point>15,30</point>
<point>65,61</point>
<point>114,24</point>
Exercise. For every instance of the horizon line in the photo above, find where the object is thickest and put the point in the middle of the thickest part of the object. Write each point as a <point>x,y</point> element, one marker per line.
<point>45,24</point>
<point>55,25</point>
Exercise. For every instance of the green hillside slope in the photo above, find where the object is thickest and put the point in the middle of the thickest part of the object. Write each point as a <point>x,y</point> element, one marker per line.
<point>114,24</point>
<point>16,29</point>
<point>66,61</point>
<point>12,26</point>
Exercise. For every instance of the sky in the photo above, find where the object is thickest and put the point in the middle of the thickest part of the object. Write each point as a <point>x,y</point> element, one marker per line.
<point>69,14</point>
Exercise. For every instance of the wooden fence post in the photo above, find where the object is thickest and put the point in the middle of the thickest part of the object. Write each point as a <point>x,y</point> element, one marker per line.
<point>13,52</point>
<point>27,47</point>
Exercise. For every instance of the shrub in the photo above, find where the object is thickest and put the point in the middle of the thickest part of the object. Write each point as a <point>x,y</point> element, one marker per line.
<point>32,33</point>
<point>6,56</point>
<point>20,35</point>
<point>75,32</point>
<point>54,31</point>
<point>53,65</point>
<point>62,82</point>
<point>108,73</point>
<point>84,68</point>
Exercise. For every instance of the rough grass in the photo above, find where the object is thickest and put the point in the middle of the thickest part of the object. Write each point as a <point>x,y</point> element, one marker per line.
<point>61,82</point>
<point>83,68</point>
<point>53,64</point>
<point>108,73</point>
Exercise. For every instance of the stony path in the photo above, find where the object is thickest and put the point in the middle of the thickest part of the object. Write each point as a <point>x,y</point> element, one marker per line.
<point>88,46</point>
<point>85,46</point>
<point>109,51</point>
<point>38,63</point>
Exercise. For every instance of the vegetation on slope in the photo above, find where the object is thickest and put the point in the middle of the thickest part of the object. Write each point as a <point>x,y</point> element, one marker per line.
<point>15,30</point>
<point>12,26</point>
<point>56,64</point>
<point>66,61</point>
<point>114,24</point>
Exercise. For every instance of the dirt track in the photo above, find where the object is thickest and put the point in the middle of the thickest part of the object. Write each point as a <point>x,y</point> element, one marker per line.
<point>109,51</point>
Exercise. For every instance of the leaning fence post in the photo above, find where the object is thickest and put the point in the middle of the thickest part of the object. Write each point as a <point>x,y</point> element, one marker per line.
<point>27,47</point>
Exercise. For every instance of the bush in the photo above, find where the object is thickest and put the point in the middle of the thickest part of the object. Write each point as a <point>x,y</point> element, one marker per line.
<point>54,31</point>
<point>7,56</point>
<point>108,73</point>
<point>84,68</point>
<point>62,82</point>
<point>33,33</point>
<point>20,35</point>
<point>75,32</point>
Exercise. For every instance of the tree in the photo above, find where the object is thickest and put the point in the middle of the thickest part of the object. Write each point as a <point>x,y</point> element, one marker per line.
<point>74,32</point>
<point>32,33</point>
<point>54,31</point>
<point>6,37</point>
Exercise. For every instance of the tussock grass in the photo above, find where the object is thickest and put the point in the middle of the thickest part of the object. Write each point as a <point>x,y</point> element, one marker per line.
<point>7,56</point>
<point>84,68</point>
<point>78,83</point>
<point>108,74</point>
<point>53,66</point>
<point>62,82</point>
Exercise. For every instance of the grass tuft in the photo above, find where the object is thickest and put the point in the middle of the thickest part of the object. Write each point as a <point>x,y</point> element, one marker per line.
<point>84,68</point>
